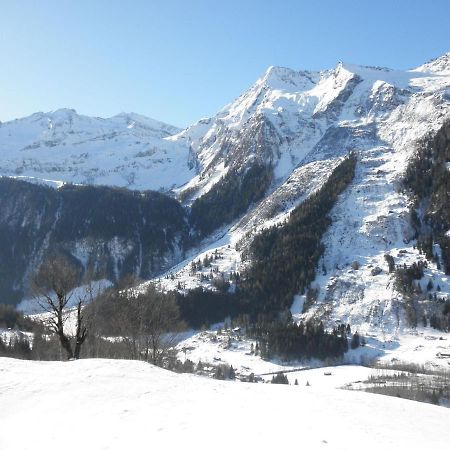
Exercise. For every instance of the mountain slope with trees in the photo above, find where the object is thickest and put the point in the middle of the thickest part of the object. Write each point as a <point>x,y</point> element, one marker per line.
<point>107,232</point>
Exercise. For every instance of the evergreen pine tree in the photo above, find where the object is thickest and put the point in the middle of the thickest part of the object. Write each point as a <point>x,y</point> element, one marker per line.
<point>355,341</point>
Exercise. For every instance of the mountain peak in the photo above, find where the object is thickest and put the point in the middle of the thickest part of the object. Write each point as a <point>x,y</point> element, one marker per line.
<point>131,119</point>
<point>278,77</point>
<point>277,71</point>
<point>63,112</point>
<point>362,69</point>
<point>440,65</point>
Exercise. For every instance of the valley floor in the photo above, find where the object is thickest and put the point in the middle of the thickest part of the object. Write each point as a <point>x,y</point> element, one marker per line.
<point>421,347</point>
<point>105,404</point>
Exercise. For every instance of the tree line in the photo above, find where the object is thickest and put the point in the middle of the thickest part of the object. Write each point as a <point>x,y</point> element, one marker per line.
<point>288,340</point>
<point>427,178</point>
<point>285,257</point>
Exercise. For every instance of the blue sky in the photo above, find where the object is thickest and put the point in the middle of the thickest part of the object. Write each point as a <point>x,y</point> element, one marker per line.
<point>178,61</point>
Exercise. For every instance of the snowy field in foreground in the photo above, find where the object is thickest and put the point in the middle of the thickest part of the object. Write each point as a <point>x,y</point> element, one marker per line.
<point>103,404</point>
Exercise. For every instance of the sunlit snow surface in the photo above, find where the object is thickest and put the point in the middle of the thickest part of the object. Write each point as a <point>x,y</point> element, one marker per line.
<point>103,404</point>
<point>126,150</point>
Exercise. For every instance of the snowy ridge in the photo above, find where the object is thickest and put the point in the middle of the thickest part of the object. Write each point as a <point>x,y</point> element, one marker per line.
<point>439,65</point>
<point>276,122</point>
<point>127,150</point>
<point>287,116</point>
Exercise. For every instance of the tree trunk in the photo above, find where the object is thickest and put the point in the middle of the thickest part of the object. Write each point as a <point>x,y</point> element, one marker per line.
<point>63,339</point>
<point>81,333</point>
<point>65,343</point>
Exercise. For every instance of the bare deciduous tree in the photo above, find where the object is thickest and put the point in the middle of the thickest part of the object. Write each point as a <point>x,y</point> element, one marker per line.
<point>158,324</point>
<point>150,323</point>
<point>54,289</point>
<point>146,321</point>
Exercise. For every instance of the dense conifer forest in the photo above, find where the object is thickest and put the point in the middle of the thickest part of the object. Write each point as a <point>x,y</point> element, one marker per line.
<point>428,178</point>
<point>229,198</point>
<point>289,341</point>
<point>285,256</point>
<point>37,220</point>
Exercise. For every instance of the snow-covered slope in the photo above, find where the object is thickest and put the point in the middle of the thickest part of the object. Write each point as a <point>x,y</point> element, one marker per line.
<point>127,404</point>
<point>301,124</point>
<point>439,65</point>
<point>126,150</point>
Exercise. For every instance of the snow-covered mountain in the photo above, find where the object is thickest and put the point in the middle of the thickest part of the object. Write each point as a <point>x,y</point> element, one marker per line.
<point>127,150</point>
<point>298,126</point>
<point>301,124</point>
<point>287,117</point>
<point>284,119</point>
